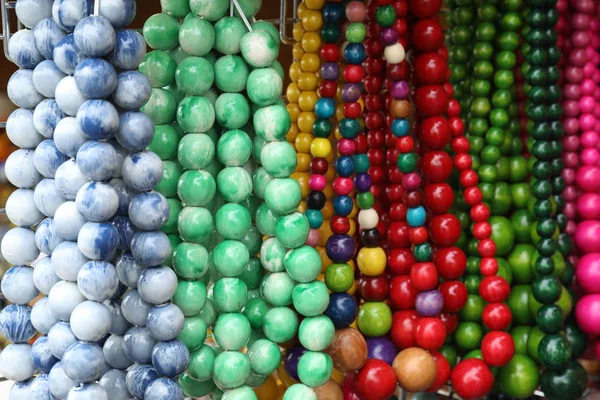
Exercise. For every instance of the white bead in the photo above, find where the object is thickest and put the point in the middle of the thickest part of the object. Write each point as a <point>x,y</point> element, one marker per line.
<point>20,129</point>
<point>20,169</point>
<point>17,284</point>
<point>394,54</point>
<point>157,285</point>
<point>68,96</point>
<point>47,197</point>
<point>18,246</point>
<point>15,362</point>
<point>63,298</point>
<point>44,277</point>
<point>21,209</point>
<point>42,317</point>
<point>67,260</point>
<point>68,221</point>
<point>58,382</point>
<point>69,179</point>
<point>368,219</point>
<point>90,321</point>
<point>30,12</point>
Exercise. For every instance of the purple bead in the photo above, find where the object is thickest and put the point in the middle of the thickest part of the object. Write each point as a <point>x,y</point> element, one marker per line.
<point>292,357</point>
<point>340,248</point>
<point>388,36</point>
<point>399,90</point>
<point>330,71</point>
<point>351,92</point>
<point>382,349</point>
<point>362,182</point>
<point>429,303</point>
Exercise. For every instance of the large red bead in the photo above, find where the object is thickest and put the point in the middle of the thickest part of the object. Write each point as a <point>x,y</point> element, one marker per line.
<point>404,326</point>
<point>431,100</point>
<point>455,295</point>
<point>434,132</point>
<point>402,293</point>
<point>443,372</point>
<point>427,35</point>
<point>436,166</point>
<point>497,348</point>
<point>438,197</point>
<point>472,378</point>
<point>444,229</point>
<point>376,380</point>
<point>496,316</point>
<point>424,276</point>
<point>451,262</point>
<point>424,8</point>
<point>399,261</point>
<point>398,234</point>
<point>430,68</point>
<point>430,333</point>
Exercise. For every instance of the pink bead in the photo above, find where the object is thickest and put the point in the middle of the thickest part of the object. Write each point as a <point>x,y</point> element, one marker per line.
<point>590,139</point>
<point>343,186</point>
<point>573,74</point>
<point>570,210</point>
<point>313,238</point>
<point>580,21</point>
<point>355,11</point>
<point>578,58</point>
<point>594,24</point>
<point>346,147</point>
<point>587,104</point>
<point>587,236</point>
<point>571,126</point>
<point>571,159</point>
<point>589,156</point>
<point>583,6</point>
<point>588,87</point>
<point>568,175</point>
<point>588,178</point>
<point>589,70</point>
<point>317,182</point>
<point>588,206</point>
<point>587,121</point>
<point>411,181</point>
<point>571,108</point>
<point>572,91</point>
<point>570,193</point>
<point>580,39</point>
<point>571,227</point>
<point>571,143</point>
<point>586,313</point>
<point>588,273</point>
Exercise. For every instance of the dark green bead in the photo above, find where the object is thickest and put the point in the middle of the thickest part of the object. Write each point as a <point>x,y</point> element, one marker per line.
<point>472,283</point>
<point>422,252</point>
<point>537,112</point>
<point>561,221</point>
<point>551,15</point>
<point>553,54</point>
<point>485,32</point>
<point>566,382</point>
<point>536,18</point>
<point>494,136</point>
<point>461,35</point>
<point>558,184</point>
<point>565,243</point>
<point>385,16</point>
<point>550,37</point>
<point>554,111</point>
<point>407,162</point>
<point>541,170</point>
<point>481,87</point>
<point>473,265</point>
<point>549,318</point>
<point>538,56</point>
<point>541,189</point>
<point>537,95</point>
<point>483,70</point>
<point>487,12</point>
<point>365,200</point>
<point>546,227</point>
<point>536,76</point>
<point>478,126</point>
<point>546,247</point>
<point>322,128</point>
<point>459,54</point>
<point>557,166</point>
<point>483,51</point>
<point>546,289</point>
<point>349,128</point>
<point>554,350</point>
<point>576,338</point>
<point>544,266</point>
<point>330,33</point>
<point>536,37</point>
<point>541,150</point>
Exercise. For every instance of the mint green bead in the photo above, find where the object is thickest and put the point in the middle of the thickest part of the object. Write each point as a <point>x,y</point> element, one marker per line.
<point>252,240</point>
<point>161,107</point>
<point>231,73</point>
<point>272,122</point>
<point>209,312</point>
<point>178,54</point>
<point>174,241</point>
<point>211,10</point>
<point>283,195</point>
<point>255,335</point>
<point>190,261</point>
<point>194,76</point>
<point>303,264</point>
<point>234,148</point>
<point>202,363</point>
<point>267,27</point>
<point>193,333</point>
<point>279,69</point>
<point>195,224</point>
<point>213,169</point>
<point>260,180</point>
<point>264,357</point>
<point>272,255</point>
<point>264,86</point>
<point>168,183</point>
<point>195,151</point>
<point>253,294</point>
<point>165,141</point>
<point>175,208</point>
<point>241,393</point>
<point>161,32</point>
<point>249,7</point>
<point>194,388</point>
<point>252,274</point>
<point>299,392</point>
<point>292,230</point>
<point>255,380</point>
<point>259,49</point>
<point>233,221</point>
<point>211,95</point>
<point>196,188</point>
<point>276,288</point>
<point>316,333</point>
<point>230,294</point>
<point>176,8</point>
<point>196,36</point>
<point>177,95</point>
<point>231,369</point>
<point>230,257</point>
<point>314,368</point>
<point>228,34</point>
<point>279,159</point>
<point>232,110</point>
<point>190,297</point>
<point>232,331</point>
<point>159,67</point>
<point>216,394</point>
<point>257,145</point>
<point>256,310</point>
<point>251,203</point>
<point>234,184</point>
<point>266,220</point>
<point>195,114</point>
<point>280,324</point>
<point>310,299</point>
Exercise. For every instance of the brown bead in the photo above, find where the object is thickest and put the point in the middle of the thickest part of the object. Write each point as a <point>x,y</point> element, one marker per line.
<point>415,369</point>
<point>329,391</point>
<point>348,350</point>
<point>400,108</point>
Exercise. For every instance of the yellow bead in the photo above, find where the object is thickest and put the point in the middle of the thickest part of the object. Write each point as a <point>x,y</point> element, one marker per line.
<point>324,233</point>
<point>294,111</point>
<point>302,207</point>
<point>302,178</point>
<point>352,264</point>
<point>293,92</point>
<point>328,192</point>
<point>327,211</point>
<point>310,62</point>
<point>311,42</point>
<point>306,121</point>
<point>292,133</point>
<point>267,390</point>
<point>355,209</point>
<point>325,261</point>
<point>314,4</point>
<point>308,81</point>
<point>295,71</point>
<point>339,112</point>
<point>337,376</point>
<point>320,147</point>
<point>297,51</point>
<point>301,9</point>
<point>298,31</point>
<point>303,142</point>
<point>330,174</point>
<point>371,261</point>
<point>280,390</point>
<point>303,162</point>
<point>283,376</point>
<point>307,100</point>
<point>352,230</point>
<point>353,325</point>
<point>312,21</point>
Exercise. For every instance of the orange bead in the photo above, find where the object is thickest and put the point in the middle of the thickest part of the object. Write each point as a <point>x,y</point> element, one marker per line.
<point>302,178</point>
<point>303,142</point>
<point>297,51</point>
<point>312,21</point>
<point>295,71</point>
<point>267,390</point>
<point>327,210</point>
<point>292,92</point>
<point>298,31</point>
<point>302,8</point>
<point>314,4</point>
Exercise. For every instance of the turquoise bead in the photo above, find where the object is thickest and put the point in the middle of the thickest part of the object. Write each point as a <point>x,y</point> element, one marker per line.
<point>195,224</point>
<point>202,363</point>
<point>264,86</point>
<point>303,264</point>
<point>240,393</point>
<point>165,141</point>
<point>264,357</point>
<point>197,36</point>
<point>416,216</point>
<point>190,261</point>
<point>266,220</point>
<point>259,49</point>
<point>230,294</point>
<point>193,333</point>
<point>283,195</point>
<point>230,258</point>
<point>277,289</point>
<point>211,10</point>
<point>234,184</point>
<point>161,107</point>
<point>299,392</point>
<point>231,73</point>
<point>272,122</point>
<point>195,151</point>
<point>280,324</point>
<point>279,69</point>
<point>279,159</point>
<point>234,148</point>
<point>249,7</point>
<point>195,114</point>
<point>178,54</point>
<point>233,221</point>
<point>176,8</point>
<point>260,180</point>
<point>161,32</point>
<point>194,76</point>
<point>316,333</point>
<point>228,35</point>
<point>257,145</point>
<point>310,299</point>
<point>272,255</point>
<point>196,188</point>
<point>232,110</point>
<point>255,311</point>
<point>314,369</point>
<point>252,274</point>
<point>255,380</point>
<point>292,230</point>
<point>231,369</point>
<point>232,331</point>
<point>190,297</point>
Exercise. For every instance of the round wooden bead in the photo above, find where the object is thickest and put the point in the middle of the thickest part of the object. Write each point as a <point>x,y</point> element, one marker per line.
<point>394,54</point>
<point>415,369</point>
<point>348,350</point>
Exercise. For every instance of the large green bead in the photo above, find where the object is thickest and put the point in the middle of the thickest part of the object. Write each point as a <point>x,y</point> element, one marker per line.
<point>233,221</point>
<point>209,313</point>
<point>230,257</point>
<point>259,49</point>
<point>159,67</point>
<point>374,319</point>
<point>194,388</point>
<point>230,294</point>
<point>161,107</point>
<point>196,36</point>
<point>176,8</point>
<point>168,183</point>
<point>272,255</point>
<point>310,299</point>
<point>161,32</point>
<point>260,180</point>
<point>234,148</point>
<point>254,380</point>
<point>174,241</point>
<point>211,10</point>
<point>231,73</point>
<point>266,220</point>
<point>194,76</point>
<point>228,34</point>
<point>240,393</point>
<point>232,110</point>
<point>195,114</point>
<point>264,86</point>
<point>314,368</point>
<point>277,288</point>
<point>264,357</point>
<point>267,27</point>
<point>303,264</point>
<point>257,145</point>
<point>566,382</point>
<point>249,7</point>
<point>202,363</point>
<point>292,230</point>
<point>554,350</point>
<point>272,122</point>
<point>253,273</point>
<point>234,184</point>
<point>280,324</point>
<point>195,224</point>
<point>175,208</point>
<point>190,297</point>
<point>178,54</point>
<point>231,369</point>
<point>299,392</point>
<point>279,159</point>
<point>252,240</point>
<point>232,331</point>
<point>255,311</point>
<point>195,151</point>
<point>190,261</point>
<point>196,188</point>
<point>283,195</point>
<point>165,141</point>
<point>316,333</point>
<point>193,333</point>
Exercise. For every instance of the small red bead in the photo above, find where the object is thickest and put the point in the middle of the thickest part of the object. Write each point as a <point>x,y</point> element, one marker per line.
<point>450,320</point>
<point>418,235</point>
<point>404,326</point>
<point>468,178</point>
<point>430,333</point>
<point>424,276</point>
<point>373,47</point>
<point>372,83</point>
<point>457,126</point>
<point>401,27</point>
<point>319,166</point>
<point>376,380</point>
<point>480,212</point>
<point>397,72</point>
<point>375,138</point>
<point>472,378</point>
<point>330,52</point>
<point>394,174</point>
<point>413,199</point>
<point>405,144</point>
<point>494,289</point>
<point>377,175</point>
<point>353,73</point>
<point>397,234</point>
<point>463,161</point>
<point>395,192</point>
<point>486,248</point>
<point>473,195</point>
<point>488,266</point>
<point>497,348</point>
<point>374,120</point>
<point>352,110</point>
<point>402,293</point>
<point>373,102</point>
<point>340,225</point>
<point>376,156</point>
<point>398,211</point>
<point>425,8</point>
<point>373,288</point>
<point>496,316</point>
<point>482,230</point>
<point>460,144</point>
<point>343,186</point>
<point>399,261</point>
<point>453,108</point>
<point>401,7</point>
<point>361,143</point>
<point>443,371</point>
<point>328,89</point>
<point>451,262</point>
<point>455,295</point>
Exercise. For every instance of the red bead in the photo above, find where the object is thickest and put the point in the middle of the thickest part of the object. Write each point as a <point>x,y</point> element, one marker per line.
<point>431,100</point>
<point>450,321</point>
<point>447,85</point>
<point>394,174</point>
<point>405,144</point>
<point>424,276</point>
<point>376,156</point>
<point>374,102</point>
<point>352,110</point>
<point>398,234</point>
<point>472,378</point>
<point>494,289</point>
<point>392,153</point>
<point>482,230</point>
<point>438,197</point>
<point>418,235</point>
<point>330,52</point>
<point>377,175</point>
<point>496,316</point>
<point>401,27</point>
<point>444,229</point>
<point>376,380</point>
<point>360,141</point>
<point>372,83</point>
<point>399,261</point>
<point>468,178</point>
<point>497,348</point>
<point>463,161</point>
<point>373,47</point>
<point>328,89</point>
<point>373,288</point>
<point>434,132</point>
<point>460,145</point>
<point>430,68</point>
<point>488,266</point>
<point>412,199</point>
<point>404,326</point>
<point>479,212</point>
<point>346,147</point>
<point>402,293</point>
<point>430,333</point>
<point>397,72</point>
<point>339,225</point>
<point>436,166</point>
<point>372,28</point>
<point>353,73</point>
<point>451,262</point>
<point>319,166</point>
<point>453,109</point>
<point>425,8</point>
<point>486,248</point>
<point>473,195</point>
<point>427,35</point>
<point>455,295</point>
<point>401,7</point>
<point>374,120</point>
<point>398,211</point>
<point>457,126</point>
<point>342,186</point>
<point>442,374</point>
<point>375,138</point>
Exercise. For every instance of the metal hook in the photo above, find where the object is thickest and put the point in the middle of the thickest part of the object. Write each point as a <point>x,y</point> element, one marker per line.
<point>5,5</point>
<point>283,21</point>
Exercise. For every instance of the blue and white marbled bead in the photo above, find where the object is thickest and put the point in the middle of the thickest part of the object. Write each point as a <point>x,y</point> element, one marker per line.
<point>21,90</point>
<point>129,270</point>
<point>68,221</point>
<point>45,117</point>
<point>98,280</point>
<point>60,338</point>
<point>143,170</point>
<point>46,238</point>
<point>98,119</point>
<point>42,317</point>
<point>133,90</point>
<point>149,211</point>
<point>68,96</point>
<point>138,345</point>
<point>68,136</point>
<point>46,77</point>
<point>135,132</point>
<point>18,248</point>
<point>15,323</point>
<point>63,298</point>
<point>114,354</point>
<point>96,78</point>
<point>126,231</point>
<point>58,382</point>
<point>87,391</point>
<point>84,362</point>
<point>119,324</point>
<point>150,248</point>
<point>21,209</point>
<point>163,389</point>
<point>20,390</point>
<point>135,309</point>
<point>94,36</point>
<point>15,362</point>
<point>98,161</point>
<point>139,377</point>
<point>66,55</point>
<point>125,194</point>
<point>130,50</point>
<point>30,12</point>
<point>17,283</point>
<point>20,169</point>
<point>157,285</point>
<point>69,179</point>
<point>114,382</point>
<point>44,277</point>
<point>67,260</point>
<point>21,131</point>
<point>165,322</point>
<point>98,241</point>
<point>97,201</point>
<point>68,13</point>
<point>90,321</point>
<point>40,389</point>
<point>170,358</point>
<point>47,34</point>
<point>47,158</point>
<point>41,357</point>
<point>47,197</point>
<point>119,12</point>
<point>22,50</point>
<point>121,155</point>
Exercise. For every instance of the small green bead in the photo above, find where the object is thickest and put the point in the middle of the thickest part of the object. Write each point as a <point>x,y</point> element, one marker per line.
<point>228,35</point>
<point>266,220</point>
<point>283,195</point>
<point>240,393</point>
<point>272,122</point>
<point>422,252</point>
<point>407,162</point>
<point>231,73</point>
<point>292,230</point>
<point>264,357</point>
<point>230,294</point>
<point>165,141</point>
<point>159,67</point>
<point>365,200</point>
<point>260,180</point>
<point>161,107</point>
<point>194,76</point>
<point>196,188</point>
<point>299,392</point>
<point>259,49</point>
<point>279,159</point>
<point>310,299</point>
<point>264,86</point>
<point>194,388</point>
<point>190,261</point>
<point>234,148</point>
<point>255,311</point>
<point>175,208</point>
<point>303,264</point>
<point>195,224</point>
<point>231,369</point>
<point>195,114</point>
<point>211,10</point>
<point>339,277</point>
<point>355,32</point>
<point>385,16</point>
<point>316,333</point>
<point>230,257</point>
<point>374,319</point>
<point>276,288</point>
<point>232,110</point>
<point>202,363</point>
<point>193,333</point>
<point>168,183</point>
<point>161,32</point>
<point>232,331</point>
<point>253,273</point>
<point>195,151</point>
<point>314,368</point>
<point>197,36</point>
<point>272,255</point>
<point>234,184</point>
<point>190,297</point>
<point>232,221</point>
<point>280,324</point>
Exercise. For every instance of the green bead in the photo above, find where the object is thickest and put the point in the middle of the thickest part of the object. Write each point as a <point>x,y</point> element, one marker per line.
<point>259,49</point>
<point>264,86</point>
<point>316,333</point>
<point>234,148</point>
<point>209,313</point>
<point>280,324</point>
<point>283,195</point>
<point>292,230</point>
<point>197,36</point>
<point>161,32</point>
<point>161,107</point>
<point>196,188</point>
<point>549,318</point>
<point>232,331</point>
<point>194,76</point>
<point>230,294</point>
<point>267,27</point>
<point>190,297</point>
<point>211,10</point>
<point>190,261</point>
<point>174,241</point>
<point>193,333</point>
<point>249,7</point>
<point>165,141</point>
<point>310,299</point>
<point>195,151</point>
<point>565,382</point>
<point>232,221</point>
<point>159,67</point>
<point>365,200</point>
<point>195,114</point>
<point>272,255</point>
<point>299,392</point>
<point>178,54</point>
<point>176,8</point>
<point>303,264</point>
<point>266,220</point>
<point>356,31</point>
<point>194,388</point>
<point>554,350</point>
<point>202,363</point>
<point>272,122</point>
<point>175,208</point>
<point>255,311</point>
<point>231,73</point>
<point>279,159</point>
<point>195,224</point>
<point>257,145</point>
<point>231,369</point>
<point>168,183</point>
<point>314,369</point>
<point>339,277</point>
<point>240,393</point>
<point>385,16</point>
<point>407,162</point>
<point>252,240</point>
<point>276,288</point>
<point>252,274</point>
<point>264,357</point>
<point>230,257</point>
<point>374,319</point>
<point>234,184</point>
<point>232,110</point>
<point>228,34</point>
